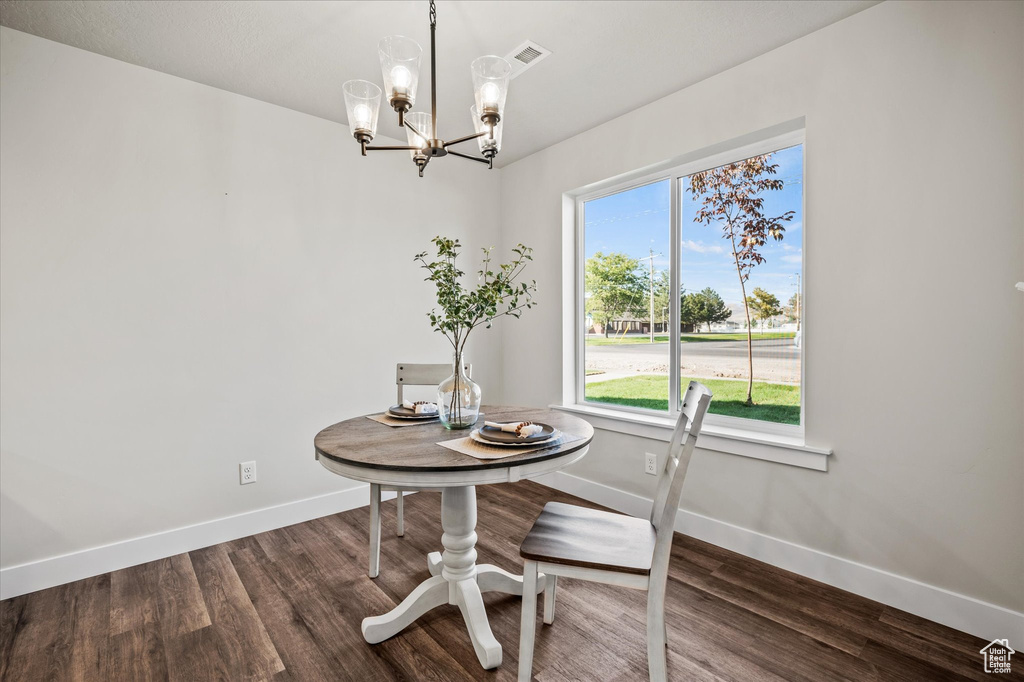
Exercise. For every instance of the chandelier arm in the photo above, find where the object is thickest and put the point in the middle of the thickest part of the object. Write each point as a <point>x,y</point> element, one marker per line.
<point>391,148</point>
<point>433,73</point>
<point>471,158</point>
<point>467,138</point>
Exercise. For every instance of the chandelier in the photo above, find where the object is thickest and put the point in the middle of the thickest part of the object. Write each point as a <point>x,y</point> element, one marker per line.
<point>400,66</point>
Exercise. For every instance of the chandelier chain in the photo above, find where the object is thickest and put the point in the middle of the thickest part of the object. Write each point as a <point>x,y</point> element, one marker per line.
<point>433,15</point>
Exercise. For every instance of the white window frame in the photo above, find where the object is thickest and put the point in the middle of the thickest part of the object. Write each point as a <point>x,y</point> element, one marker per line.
<point>734,435</point>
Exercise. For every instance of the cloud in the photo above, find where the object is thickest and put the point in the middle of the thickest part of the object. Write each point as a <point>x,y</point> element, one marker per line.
<point>794,259</point>
<point>701,247</point>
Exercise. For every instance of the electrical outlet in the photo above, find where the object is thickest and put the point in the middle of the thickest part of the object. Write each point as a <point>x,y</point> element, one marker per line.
<point>246,473</point>
<point>651,463</point>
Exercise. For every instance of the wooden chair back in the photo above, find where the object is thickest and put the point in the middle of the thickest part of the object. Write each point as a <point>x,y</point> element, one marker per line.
<point>410,374</point>
<point>670,482</point>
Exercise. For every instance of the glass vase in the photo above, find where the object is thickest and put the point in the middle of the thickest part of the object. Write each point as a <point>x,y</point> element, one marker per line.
<point>458,398</point>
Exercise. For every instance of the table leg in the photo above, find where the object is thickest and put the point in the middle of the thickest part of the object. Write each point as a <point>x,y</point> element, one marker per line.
<point>456,583</point>
<point>471,603</point>
<point>374,569</point>
<point>430,594</point>
<point>434,563</point>
<point>458,567</point>
<point>494,579</point>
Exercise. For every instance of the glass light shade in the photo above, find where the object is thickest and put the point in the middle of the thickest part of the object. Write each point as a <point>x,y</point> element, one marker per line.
<point>362,101</point>
<point>487,143</point>
<point>400,66</point>
<point>490,83</point>
<point>421,121</point>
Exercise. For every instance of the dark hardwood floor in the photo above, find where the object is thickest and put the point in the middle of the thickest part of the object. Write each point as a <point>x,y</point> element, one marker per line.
<point>286,605</point>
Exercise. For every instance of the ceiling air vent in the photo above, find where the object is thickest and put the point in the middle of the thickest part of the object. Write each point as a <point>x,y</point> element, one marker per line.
<point>526,56</point>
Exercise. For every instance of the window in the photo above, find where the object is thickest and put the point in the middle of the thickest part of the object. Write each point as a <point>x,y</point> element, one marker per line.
<point>697,273</point>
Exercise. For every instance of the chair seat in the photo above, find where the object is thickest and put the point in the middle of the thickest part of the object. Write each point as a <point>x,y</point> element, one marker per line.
<point>577,536</point>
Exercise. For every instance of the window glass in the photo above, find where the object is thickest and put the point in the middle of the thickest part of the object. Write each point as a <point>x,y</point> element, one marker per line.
<point>740,323</point>
<point>626,248</point>
<point>741,266</point>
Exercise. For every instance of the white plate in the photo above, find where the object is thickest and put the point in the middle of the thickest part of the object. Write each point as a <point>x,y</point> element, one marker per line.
<point>475,435</point>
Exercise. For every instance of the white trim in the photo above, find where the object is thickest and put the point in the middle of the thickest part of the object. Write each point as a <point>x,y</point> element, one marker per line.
<point>675,278</point>
<point>764,445</point>
<point>954,610</point>
<point>58,570</point>
<point>762,142</point>
<point>457,478</point>
<point>571,324</point>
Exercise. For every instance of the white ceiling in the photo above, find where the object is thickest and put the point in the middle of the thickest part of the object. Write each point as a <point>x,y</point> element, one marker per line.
<point>608,57</point>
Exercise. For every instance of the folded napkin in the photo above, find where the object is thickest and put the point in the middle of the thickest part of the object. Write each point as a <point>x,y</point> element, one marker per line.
<point>421,407</point>
<point>521,429</point>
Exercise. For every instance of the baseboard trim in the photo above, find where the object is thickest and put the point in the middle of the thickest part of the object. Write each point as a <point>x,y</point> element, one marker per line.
<point>954,610</point>
<point>39,575</point>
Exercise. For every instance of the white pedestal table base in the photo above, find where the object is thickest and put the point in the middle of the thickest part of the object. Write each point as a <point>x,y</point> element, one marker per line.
<point>456,579</point>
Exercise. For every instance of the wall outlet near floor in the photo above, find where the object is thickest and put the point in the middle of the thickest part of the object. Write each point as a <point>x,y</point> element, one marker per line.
<point>650,463</point>
<point>246,473</point>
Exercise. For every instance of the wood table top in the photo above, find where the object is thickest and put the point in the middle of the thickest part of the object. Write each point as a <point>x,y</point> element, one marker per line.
<point>365,443</point>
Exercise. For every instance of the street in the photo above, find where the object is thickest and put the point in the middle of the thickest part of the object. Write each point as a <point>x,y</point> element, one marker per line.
<point>775,360</point>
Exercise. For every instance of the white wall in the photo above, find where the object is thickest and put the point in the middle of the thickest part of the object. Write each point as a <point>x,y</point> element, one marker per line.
<point>914,217</point>
<point>191,279</point>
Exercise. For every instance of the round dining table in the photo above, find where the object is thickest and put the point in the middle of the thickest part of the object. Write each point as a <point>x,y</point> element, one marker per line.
<point>409,457</point>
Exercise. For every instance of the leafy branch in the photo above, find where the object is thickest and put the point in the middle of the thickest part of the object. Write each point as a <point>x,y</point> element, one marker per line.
<point>499,292</point>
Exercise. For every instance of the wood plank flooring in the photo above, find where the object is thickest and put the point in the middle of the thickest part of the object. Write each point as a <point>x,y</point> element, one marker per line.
<point>286,605</point>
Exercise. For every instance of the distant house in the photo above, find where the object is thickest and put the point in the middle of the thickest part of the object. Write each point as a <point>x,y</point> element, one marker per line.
<point>632,325</point>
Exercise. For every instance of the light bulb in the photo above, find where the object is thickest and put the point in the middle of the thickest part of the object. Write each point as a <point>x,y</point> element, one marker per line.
<point>489,93</point>
<point>401,77</point>
<point>361,113</point>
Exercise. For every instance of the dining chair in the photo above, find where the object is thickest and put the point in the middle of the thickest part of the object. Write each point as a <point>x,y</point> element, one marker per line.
<point>587,544</point>
<point>406,374</point>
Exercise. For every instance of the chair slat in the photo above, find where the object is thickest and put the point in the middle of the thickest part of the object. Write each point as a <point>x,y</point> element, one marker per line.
<point>695,406</point>
<point>413,374</point>
<point>675,445</point>
<point>664,485</point>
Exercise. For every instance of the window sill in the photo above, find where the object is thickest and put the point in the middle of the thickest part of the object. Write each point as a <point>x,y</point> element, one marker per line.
<point>732,441</point>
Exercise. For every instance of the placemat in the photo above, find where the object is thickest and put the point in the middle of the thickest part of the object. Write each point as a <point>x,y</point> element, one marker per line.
<point>383,418</point>
<point>468,446</point>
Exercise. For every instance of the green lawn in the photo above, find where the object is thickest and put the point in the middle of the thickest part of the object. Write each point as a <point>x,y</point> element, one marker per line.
<point>775,402</point>
<point>686,338</point>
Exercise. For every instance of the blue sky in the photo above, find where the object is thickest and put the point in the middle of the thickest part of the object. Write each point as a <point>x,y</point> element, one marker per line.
<point>635,221</point>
